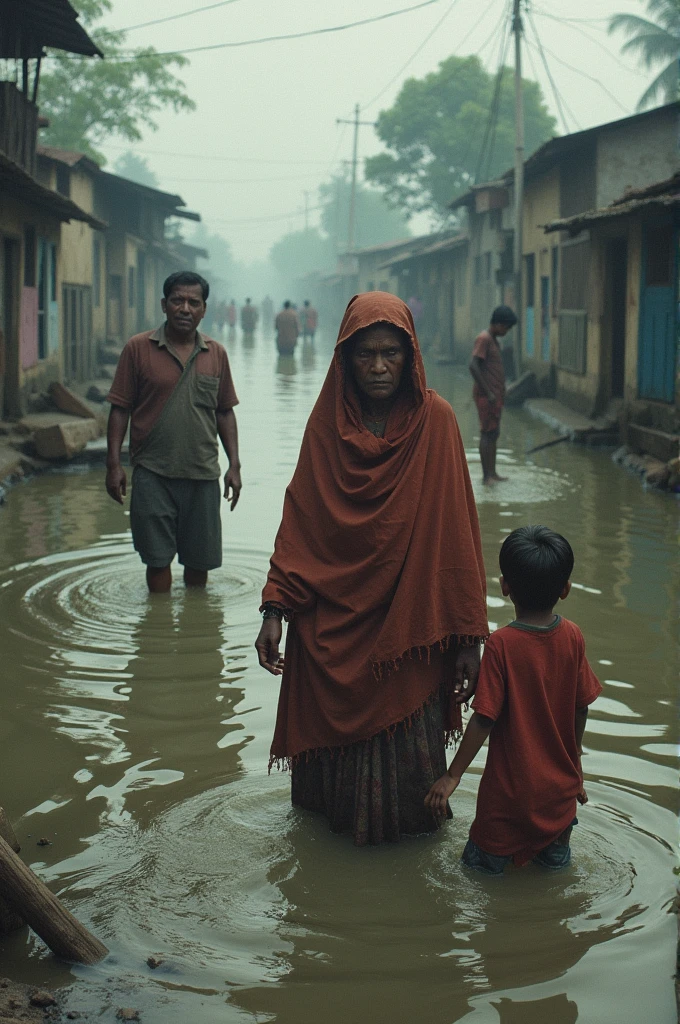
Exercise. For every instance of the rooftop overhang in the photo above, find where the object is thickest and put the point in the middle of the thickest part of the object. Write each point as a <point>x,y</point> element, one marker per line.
<point>662,195</point>
<point>171,204</point>
<point>435,248</point>
<point>16,183</point>
<point>27,27</point>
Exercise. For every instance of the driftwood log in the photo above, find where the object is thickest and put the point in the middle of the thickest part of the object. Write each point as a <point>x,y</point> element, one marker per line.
<point>25,895</point>
<point>9,920</point>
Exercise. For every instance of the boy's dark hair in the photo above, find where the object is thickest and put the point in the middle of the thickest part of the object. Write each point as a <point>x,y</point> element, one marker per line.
<point>504,315</point>
<point>536,563</point>
<point>186,277</point>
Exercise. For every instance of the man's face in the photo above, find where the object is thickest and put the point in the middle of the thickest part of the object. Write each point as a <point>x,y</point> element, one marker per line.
<point>500,330</point>
<point>184,308</point>
<point>378,360</point>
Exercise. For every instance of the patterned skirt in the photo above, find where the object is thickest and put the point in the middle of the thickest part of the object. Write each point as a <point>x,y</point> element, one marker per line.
<point>375,788</point>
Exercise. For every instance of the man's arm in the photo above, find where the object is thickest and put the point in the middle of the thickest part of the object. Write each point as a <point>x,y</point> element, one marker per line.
<point>116,481</point>
<point>228,434</point>
<point>477,731</point>
<point>477,371</point>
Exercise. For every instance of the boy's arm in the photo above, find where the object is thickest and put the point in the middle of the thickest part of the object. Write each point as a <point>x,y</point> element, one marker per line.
<point>477,371</point>
<point>580,719</point>
<point>477,731</point>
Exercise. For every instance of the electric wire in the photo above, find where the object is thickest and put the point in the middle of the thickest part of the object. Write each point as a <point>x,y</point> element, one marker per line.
<point>610,53</point>
<point>555,91</point>
<point>141,55</point>
<point>591,78</point>
<point>174,17</point>
<point>488,139</point>
<point>413,56</point>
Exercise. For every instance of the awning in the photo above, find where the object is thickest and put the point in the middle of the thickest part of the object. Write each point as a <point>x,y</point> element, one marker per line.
<point>16,183</point>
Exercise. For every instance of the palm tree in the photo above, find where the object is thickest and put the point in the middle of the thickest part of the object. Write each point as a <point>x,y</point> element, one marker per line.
<point>654,40</point>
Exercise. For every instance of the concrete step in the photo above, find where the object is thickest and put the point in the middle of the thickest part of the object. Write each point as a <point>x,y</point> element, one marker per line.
<point>571,424</point>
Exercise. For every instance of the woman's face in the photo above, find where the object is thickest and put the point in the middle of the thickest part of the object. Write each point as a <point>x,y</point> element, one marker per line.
<point>377,360</point>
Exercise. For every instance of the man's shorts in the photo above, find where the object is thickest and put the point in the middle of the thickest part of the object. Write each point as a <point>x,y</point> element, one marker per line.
<point>555,856</point>
<point>172,517</point>
<point>489,415</point>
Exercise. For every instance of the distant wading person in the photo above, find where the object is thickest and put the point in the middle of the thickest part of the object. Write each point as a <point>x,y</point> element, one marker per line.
<point>378,570</point>
<point>287,329</point>
<point>310,320</point>
<point>176,386</point>
<point>248,318</point>
<point>486,367</point>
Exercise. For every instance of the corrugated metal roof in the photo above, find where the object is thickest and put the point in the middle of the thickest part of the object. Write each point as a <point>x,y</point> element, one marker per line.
<point>661,194</point>
<point>28,26</point>
<point>16,183</point>
<point>557,147</point>
<point>67,156</point>
<point>428,245</point>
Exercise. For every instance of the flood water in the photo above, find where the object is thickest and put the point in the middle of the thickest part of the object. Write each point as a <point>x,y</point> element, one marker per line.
<point>135,737</point>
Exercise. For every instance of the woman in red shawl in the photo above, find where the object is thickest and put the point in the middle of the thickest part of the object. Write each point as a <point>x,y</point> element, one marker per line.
<point>378,570</point>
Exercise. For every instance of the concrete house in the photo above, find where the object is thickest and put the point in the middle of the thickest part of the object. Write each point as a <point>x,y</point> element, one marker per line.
<point>31,214</point>
<point>579,289</point>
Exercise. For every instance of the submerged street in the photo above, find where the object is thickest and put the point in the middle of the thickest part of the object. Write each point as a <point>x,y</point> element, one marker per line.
<point>153,723</point>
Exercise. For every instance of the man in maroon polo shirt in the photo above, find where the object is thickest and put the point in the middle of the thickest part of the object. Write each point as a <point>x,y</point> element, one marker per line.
<point>175,385</point>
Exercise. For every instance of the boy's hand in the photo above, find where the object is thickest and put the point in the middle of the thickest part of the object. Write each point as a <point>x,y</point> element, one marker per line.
<point>440,793</point>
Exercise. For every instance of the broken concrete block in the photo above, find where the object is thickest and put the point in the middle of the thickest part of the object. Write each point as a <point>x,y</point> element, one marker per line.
<point>64,440</point>
<point>67,401</point>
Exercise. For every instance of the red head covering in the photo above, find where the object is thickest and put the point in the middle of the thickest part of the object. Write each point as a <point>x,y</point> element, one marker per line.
<point>378,553</point>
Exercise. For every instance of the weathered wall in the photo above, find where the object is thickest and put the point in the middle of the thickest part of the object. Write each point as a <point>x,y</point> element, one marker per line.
<point>15,216</point>
<point>541,204</point>
<point>638,154</point>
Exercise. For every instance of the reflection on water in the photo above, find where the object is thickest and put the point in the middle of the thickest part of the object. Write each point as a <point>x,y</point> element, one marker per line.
<point>142,729</point>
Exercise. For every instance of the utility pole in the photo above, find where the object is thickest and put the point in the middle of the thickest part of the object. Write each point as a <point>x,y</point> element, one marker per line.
<point>519,180</point>
<point>306,195</point>
<point>353,194</point>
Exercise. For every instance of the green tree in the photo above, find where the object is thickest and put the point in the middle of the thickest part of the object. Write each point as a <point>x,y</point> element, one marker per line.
<point>87,100</point>
<point>435,134</point>
<point>655,40</point>
<point>375,221</point>
<point>135,168</point>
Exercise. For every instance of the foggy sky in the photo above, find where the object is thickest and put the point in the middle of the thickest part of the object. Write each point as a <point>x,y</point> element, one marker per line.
<point>268,111</point>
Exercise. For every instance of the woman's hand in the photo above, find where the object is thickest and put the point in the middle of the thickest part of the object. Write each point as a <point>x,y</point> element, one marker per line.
<point>440,793</point>
<point>267,645</point>
<point>466,673</point>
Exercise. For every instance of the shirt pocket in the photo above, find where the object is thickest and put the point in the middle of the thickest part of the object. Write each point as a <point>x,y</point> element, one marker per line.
<point>206,389</point>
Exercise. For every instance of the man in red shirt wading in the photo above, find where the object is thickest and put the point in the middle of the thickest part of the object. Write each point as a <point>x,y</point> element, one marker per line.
<point>176,385</point>
<point>486,367</point>
<point>531,701</point>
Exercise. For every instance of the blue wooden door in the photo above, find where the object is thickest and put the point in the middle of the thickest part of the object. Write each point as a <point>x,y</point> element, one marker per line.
<point>658,315</point>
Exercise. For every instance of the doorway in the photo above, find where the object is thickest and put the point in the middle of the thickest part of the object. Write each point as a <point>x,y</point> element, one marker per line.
<point>656,359</point>
<point>10,403</point>
<point>617,264</point>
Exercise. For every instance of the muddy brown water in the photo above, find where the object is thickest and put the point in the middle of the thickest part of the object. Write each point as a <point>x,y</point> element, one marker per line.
<point>135,735</point>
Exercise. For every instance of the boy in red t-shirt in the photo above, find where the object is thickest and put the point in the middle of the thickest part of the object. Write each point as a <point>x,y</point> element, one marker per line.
<point>535,685</point>
<point>486,367</point>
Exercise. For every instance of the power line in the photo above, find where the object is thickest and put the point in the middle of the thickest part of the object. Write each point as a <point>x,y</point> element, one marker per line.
<point>488,139</point>
<point>235,181</point>
<point>266,220</point>
<point>226,159</point>
<point>174,17</point>
<point>591,78</point>
<point>558,98</point>
<point>569,22</point>
<point>411,58</point>
<point>273,39</point>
